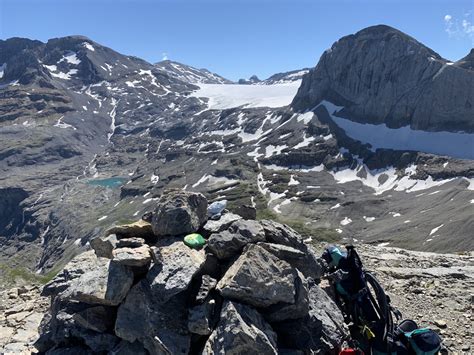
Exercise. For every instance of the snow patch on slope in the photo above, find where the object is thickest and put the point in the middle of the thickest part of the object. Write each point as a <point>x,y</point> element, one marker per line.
<point>458,145</point>
<point>224,96</point>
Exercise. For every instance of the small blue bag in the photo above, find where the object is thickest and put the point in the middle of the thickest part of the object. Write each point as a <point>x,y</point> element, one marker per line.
<point>423,341</point>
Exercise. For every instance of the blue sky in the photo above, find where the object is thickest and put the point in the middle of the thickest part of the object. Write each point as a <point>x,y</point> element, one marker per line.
<point>241,37</point>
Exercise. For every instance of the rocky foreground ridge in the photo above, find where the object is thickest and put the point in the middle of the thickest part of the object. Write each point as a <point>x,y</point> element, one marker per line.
<point>255,285</point>
<point>253,288</point>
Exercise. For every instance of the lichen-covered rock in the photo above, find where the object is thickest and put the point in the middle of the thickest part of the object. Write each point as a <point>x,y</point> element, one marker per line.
<point>179,212</point>
<point>241,330</point>
<point>258,278</point>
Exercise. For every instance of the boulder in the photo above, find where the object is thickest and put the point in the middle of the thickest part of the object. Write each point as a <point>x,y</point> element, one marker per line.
<point>160,326</point>
<point>65,326</point>
<point>282,234</point>
<point>175,266</point>
<point>240,233</point>
<point>103,246</point>
<point>140,256</point>
<point>259,278</point>
<point>104,282</point>
<point>241,330</point>
<point>216,226</point>
<point>322,330</point>
<point>130,242</point>
<point>277,233</point>
<point>294,310</point>
<point>79,265</point>
<point>139,229</point>
<point>179,212</point>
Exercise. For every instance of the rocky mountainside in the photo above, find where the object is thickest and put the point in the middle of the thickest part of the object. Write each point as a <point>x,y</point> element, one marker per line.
<point>383,76</point>
<point>91,137</point>
<point>190,74</point>
<point>255,285</point>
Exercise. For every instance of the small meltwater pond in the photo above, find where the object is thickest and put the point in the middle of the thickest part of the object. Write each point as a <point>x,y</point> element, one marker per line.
<point>112,182</point>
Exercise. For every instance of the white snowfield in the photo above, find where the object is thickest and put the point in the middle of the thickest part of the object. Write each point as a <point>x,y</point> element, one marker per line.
<point>224,96</point>
<point>457,145</point>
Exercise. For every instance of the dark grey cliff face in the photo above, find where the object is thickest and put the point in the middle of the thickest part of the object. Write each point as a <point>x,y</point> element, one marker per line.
<point>381,75</point>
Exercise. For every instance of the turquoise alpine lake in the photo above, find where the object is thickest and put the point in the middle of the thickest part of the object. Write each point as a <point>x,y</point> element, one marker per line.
<point>108,182</point>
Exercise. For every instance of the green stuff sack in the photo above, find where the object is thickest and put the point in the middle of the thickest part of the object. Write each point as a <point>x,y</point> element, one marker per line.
<point>194,240</point>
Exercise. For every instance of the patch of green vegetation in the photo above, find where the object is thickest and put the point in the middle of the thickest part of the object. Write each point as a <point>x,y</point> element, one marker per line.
<point>17,275</point>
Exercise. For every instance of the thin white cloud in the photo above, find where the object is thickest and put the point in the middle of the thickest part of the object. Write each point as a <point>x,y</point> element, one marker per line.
<point>467,27</point>
<point>164,56</point>
<point>459,28</point>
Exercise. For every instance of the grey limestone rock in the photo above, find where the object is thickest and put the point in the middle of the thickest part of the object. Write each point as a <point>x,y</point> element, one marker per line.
<point>179,212</point>
<point>258,278</point>
<point>241,330</point>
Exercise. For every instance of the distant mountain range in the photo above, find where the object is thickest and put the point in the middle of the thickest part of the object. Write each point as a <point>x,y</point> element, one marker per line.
<point>374,144</point>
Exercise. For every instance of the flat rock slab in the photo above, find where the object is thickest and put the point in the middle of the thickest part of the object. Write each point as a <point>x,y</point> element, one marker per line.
<point>174,268</point>
<point>130,242</point>
<point>259,278</point>
<point>140,256</point>
<point>216,226</point>
<point>139,229</point>
<point>241,330</point>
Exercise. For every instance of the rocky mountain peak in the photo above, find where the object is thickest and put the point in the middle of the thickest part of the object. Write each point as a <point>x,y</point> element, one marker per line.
<point>381,75</point>
<point>467,62</point>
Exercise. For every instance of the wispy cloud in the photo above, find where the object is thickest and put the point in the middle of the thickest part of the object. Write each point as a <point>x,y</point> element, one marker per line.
<point>164,56</point>
<point>459,27</point>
